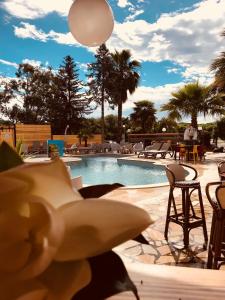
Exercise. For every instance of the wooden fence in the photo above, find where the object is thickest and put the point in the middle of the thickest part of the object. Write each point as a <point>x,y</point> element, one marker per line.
<point>74,139</point>
<point>30,133</point>
<point>7,134</point>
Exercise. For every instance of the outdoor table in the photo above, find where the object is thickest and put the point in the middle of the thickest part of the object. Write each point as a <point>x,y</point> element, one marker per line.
<point>160,282</point>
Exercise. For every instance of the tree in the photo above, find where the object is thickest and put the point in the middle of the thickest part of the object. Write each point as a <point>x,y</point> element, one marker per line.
<point>218,65</point>
<point>143,115</point>
<point>191,100</point>
<point>73,104</point>
<point>169,124</point>
<point>111,127</point>
<point>27,91</point>
<point>124,78</point>
<point>219,130</point>
<point>98,76</point>
<point>31,90</point>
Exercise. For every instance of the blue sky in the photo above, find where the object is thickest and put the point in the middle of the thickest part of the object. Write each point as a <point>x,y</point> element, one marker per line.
<point>175,40</point>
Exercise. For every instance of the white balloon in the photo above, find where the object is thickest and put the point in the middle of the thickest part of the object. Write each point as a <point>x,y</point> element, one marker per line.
<point>91,21</point>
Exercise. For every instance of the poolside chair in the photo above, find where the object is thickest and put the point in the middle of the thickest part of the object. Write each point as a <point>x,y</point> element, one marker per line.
<point>176,174</point>
<point>154,147</point>
<point>44,148</point>
<point>163,151</point>
<point>138,147</point>
<point>24,149</point>
<point>72,149</point>
<point>216,248</point>
<point>221,170</point>
<point>115,147</point>
<point>127,148</point>
<point>35,148</point>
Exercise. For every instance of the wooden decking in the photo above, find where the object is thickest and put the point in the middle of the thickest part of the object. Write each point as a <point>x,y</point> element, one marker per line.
<point>158,282</point>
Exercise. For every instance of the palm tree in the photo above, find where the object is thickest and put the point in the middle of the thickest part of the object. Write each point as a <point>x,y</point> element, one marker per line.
<point>98,76</point>
<point>218,65</point>
<point>143,115</point>
<point>191,100</point>
<point>124,78</point>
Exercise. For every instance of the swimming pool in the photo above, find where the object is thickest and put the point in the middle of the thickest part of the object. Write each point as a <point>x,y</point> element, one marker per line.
<point>97,170</point>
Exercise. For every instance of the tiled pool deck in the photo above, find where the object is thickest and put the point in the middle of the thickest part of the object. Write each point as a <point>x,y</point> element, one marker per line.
<point>154,200</point>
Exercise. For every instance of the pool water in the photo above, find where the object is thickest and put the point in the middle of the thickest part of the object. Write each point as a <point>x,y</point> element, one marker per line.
<point>98,170</point>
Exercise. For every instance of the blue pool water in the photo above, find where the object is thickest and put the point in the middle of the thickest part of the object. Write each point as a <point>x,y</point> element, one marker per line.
<point>97,170</point>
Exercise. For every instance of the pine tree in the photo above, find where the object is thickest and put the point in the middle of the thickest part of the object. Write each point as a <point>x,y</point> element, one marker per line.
<point>73,102</point>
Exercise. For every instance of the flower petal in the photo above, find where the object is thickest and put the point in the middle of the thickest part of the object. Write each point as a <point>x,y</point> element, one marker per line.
<point>14,247</point>
<point>49,180</point>
<point>23,290</point>
<point>28,244</point>
<point>97,225</point>
<point>64,279</point>
<point>45,236</point>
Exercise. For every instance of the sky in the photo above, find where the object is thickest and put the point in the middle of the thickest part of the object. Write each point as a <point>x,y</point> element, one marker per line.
<point>174,40</point>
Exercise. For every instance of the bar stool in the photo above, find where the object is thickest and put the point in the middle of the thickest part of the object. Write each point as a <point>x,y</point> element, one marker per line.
<point>221,170</point>
<point>216,248</point>
<point>176,175</point>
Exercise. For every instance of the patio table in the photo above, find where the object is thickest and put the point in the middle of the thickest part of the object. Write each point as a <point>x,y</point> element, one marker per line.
<point>160,282</point>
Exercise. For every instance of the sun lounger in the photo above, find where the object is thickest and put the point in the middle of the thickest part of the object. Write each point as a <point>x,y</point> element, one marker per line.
<point>165,148</point>
<point>138,147</point>
<point>151,149</point>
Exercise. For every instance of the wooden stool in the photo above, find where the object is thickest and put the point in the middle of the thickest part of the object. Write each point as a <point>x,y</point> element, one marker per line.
<point>176,176</point>
<point>216,248</point>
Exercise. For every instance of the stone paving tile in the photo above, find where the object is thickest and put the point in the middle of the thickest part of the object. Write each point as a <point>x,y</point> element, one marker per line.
<point>147,259</point>
<point>154,201</point>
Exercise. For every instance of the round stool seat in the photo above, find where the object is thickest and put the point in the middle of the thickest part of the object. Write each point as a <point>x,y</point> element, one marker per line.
<point>187,183</point>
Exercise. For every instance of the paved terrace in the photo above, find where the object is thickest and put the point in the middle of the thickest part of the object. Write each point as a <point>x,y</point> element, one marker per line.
<point>154,200</point>
<point>153,267</point>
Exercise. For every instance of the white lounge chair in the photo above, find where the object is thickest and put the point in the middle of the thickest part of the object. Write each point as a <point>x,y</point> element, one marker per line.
<point>149,149</point>
<point>165,148</point>
<point>138,147</point>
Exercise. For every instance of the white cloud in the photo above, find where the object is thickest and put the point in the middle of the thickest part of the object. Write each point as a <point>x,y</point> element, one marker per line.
<point>30,31</point>
<point>189,38</point>
<point>159,95</point>
<point>173,70</point>
<point>26,30</point>
<point>32,9</point>
<point>134,15</point>
<point>123,3</point>
<point>8,63</point>
<point>35,63</point>
<point>83,66</point>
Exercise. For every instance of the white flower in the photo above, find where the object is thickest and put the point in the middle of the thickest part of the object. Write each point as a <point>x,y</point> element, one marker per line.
<point>47,231</point>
